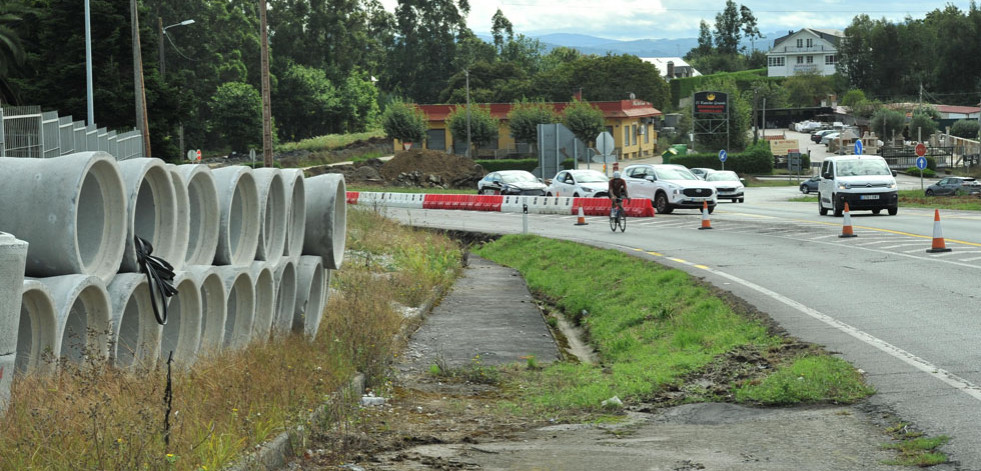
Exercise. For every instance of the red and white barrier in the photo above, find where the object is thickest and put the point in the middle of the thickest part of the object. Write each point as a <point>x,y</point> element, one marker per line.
<point>499,203</point>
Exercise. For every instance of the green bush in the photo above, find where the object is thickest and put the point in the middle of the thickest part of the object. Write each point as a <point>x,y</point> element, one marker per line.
<point>756,159</point>
<point>927,172</point>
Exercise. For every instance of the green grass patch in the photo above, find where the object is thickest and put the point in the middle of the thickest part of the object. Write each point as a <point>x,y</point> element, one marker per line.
<point>914,449</point>
<point>916,199</point>
<point>767,182</point>
<point>328,142</point>
<point>804,199</point>
<point>651,326</point>
<point>809,379</point>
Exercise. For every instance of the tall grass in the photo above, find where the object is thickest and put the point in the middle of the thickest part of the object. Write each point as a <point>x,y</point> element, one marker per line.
<point>92,416</point>
<point>328,142</point>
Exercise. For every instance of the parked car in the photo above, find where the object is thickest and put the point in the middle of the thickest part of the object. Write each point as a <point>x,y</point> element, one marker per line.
<point>728,185</point>
<point>810,185</point>
<point>669,187</point>
<point>511,182</point>
<point>700,172</point>
<point>950,186</point>
<point>582,182</point>
<point>817,135</point>
<point>827,138</point>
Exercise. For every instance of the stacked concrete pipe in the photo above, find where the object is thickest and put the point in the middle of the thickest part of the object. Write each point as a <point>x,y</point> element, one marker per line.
<point>36,333</point>
<point>214,308</point>
<point>203,214</point>
<point>71,211</point>
<point>272,213</point>
<point>238,230</point>
<point>13,259</point>
<point>296,209</point>
<point>83,309</point>
<point>152,212</point>
<point>311,295</point>
<point>135,331</point>
<point>264,287</point>
<point>182,218</point>
<point>285,297</point>
<point>182,333</point>
<point>240,313</point>
<point>326,224</point>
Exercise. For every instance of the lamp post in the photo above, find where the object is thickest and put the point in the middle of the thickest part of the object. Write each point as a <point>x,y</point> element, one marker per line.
<point>163,32</point>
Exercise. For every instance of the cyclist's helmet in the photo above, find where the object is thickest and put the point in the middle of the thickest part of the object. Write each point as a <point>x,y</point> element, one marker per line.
<point>616,174</point>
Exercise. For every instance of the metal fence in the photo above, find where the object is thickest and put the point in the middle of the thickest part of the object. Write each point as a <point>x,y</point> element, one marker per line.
<point>29,132</point>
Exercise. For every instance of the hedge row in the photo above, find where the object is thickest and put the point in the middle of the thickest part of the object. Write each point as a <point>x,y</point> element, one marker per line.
<point>756,159</point>
<point>494,165</point>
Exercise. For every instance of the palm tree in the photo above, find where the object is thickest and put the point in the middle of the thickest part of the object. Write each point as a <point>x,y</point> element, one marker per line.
<point>11,50</point>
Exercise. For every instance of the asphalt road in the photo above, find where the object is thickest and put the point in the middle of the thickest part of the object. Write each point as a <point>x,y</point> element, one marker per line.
<point>908,318</point>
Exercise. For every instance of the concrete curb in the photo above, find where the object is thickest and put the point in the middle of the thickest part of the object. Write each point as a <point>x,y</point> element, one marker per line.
<point>182,334</point>
<point>240,299</point>
<point>135,332</point>
<point>203,214</point>
<point>265,299</point>
<point>151,211</point>
<point>36,334</point>
<point>272,213</point>
<point>326,224</point>
<point>311,295</point>
<point>296,210</point>
<point>238,230</point>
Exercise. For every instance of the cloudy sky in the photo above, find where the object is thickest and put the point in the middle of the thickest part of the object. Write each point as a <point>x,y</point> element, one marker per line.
<point>660,19</point>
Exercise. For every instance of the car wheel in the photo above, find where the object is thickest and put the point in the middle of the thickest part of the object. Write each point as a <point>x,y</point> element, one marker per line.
<point>893,211</point>
<point>929,192</point>
<point>804,189</point>
<point>548,194</point>
<point>661,204</point>
<point>575,195</point>
<point>876,211</point>
<point>837,206</point>
<point>742,200</point>
<point>710,209</point>
<point>821,209</point>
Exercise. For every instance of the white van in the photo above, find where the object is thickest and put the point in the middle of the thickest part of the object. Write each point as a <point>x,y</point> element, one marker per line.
<point>865,182</point>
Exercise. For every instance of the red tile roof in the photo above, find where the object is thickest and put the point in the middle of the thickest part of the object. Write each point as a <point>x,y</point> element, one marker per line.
<point>610,109</point>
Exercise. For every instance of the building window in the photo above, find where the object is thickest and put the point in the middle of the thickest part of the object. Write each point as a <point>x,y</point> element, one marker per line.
<point>810,42</point>
<point>810,59</point>
<point>626,136</point>
<point>800,43</point>
<point>830,60</point>
<point>775,61</point>
<point>800,59</point>
<point>634,133</point>
<point>647,134</point>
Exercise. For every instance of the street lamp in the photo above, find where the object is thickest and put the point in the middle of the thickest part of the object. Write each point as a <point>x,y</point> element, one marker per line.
<point>163,32</point>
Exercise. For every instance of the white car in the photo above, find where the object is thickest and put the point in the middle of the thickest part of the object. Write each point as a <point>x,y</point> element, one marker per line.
<point>579,183</point>
<point>728,185</point>
<point>669,187</point>
<point>700,172</point>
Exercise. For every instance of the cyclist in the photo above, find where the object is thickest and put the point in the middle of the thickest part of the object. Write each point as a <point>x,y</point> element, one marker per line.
<point>618,192</point>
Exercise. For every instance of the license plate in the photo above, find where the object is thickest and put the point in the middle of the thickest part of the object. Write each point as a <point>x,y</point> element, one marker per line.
<point>868,197</point>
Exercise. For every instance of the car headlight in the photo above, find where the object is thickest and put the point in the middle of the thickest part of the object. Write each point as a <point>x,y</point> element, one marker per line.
<point>892,186</point>
<point>587,190</point>
<point>844,186</point>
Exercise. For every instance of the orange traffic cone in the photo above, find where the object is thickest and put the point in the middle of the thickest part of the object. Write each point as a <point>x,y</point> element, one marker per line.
<point>706,224</point>
<point>938,237</point>
<point>846,228</point>
<point>581,220</point>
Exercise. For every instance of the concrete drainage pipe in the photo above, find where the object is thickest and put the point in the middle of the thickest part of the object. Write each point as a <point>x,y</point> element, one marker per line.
<point>182,334</point>
<point>285,297</point>
<point>37,331</point>
<point>240,300</point>
<point>152,210</point>
<point>13,258</point>
<point>135,331</point>
<point>238,229</point>
<point>81,201</point>
<point>272,213</point>
<point>83,309</point>
<point>326,224</point>
<point>182,218</point>
<point>311,295</point>
<point>296,211</point>
<point>264,284</point>
<point>214,308</point>
<point>203,214</point>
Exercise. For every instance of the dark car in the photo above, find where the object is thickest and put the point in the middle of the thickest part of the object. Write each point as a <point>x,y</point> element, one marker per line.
<point>950,186</point>
<point>811,184</point>
<point>510,182</point>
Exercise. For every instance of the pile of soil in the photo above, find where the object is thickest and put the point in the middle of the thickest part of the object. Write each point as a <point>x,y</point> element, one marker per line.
<point>420,168</point>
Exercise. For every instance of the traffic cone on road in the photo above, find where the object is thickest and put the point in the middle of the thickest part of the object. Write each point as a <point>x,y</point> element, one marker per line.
<point>938,236</point>
<point>581,220</point>
<point>846,227</point>
<point>706,224</point>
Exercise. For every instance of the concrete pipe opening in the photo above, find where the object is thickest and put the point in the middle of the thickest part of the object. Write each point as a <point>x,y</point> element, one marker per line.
<point>152,210</point>
<point>264,287</point>
<point>240,303</point>
<point>326,222</point>
<point>182,218</point>
<point>203,214</point>
<point>238,229</point>
<point>37,331</point>
<point>136,333</point>
<point>182,334</point>
<point>311,296</point>
<point>82,198</point>
<point>285,297</point>
<point>83,309</point>
<point>272,213</point>
<point>214,309</point>
<point>296,212</point>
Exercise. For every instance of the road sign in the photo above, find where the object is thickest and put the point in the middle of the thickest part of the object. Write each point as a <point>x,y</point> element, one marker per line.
<point>722,155</point>
<point>921,162</point>
<point>192,154</point>
<point>605,144</point>
<point>921,149</point>
<point>858,147</point>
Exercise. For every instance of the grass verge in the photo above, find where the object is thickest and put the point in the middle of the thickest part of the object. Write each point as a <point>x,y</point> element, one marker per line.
<point>916,199</point>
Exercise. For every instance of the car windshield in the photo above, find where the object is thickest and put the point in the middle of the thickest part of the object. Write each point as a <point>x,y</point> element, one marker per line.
<point>675,173</point>
<point>851,168</point>
<point>722,177</point>
<point>517,177</point>
<point>590,177</point>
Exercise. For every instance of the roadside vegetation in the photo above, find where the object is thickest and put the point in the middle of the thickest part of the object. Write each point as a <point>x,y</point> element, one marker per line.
<point>916,199</point>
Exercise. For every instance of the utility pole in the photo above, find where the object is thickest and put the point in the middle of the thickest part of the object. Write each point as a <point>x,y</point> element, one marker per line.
<point>88,64</point>
<point>267,154</point>
<point>138,89</point>
<point>469,144</point>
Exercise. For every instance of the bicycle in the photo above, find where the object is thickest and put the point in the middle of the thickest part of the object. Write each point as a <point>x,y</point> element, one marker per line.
<point>618,217</point>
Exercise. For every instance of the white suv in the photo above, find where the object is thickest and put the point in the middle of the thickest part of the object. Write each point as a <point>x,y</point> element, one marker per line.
<point>668,187</point>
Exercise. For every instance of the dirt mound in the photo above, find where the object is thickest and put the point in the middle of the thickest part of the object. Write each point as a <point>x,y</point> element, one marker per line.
<point>421,168</point>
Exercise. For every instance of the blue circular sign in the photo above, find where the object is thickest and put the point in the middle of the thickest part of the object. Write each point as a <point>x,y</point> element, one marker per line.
<point>858,147</point>
<point>722,155</point>
<point>921,163</point>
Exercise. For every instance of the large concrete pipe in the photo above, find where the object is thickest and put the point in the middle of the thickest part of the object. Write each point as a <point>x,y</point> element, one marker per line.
<point>182,218</point>
<point>264,285</point>
<point>135,331</point>
<point>238,227</point>
<point>203,214</point>
<point>13,258</point>
<point>214,307</point>
<point>152,210</point>
<point>38,329</point>
<point>285,296</point>
<point>311,295</point>
<point>70,209</point>
<point>83,309</point>
<point>272,214</point>
<point>326,224</point>
<point>296,211</point>
<point>240,296</point>
<point>182,334</point>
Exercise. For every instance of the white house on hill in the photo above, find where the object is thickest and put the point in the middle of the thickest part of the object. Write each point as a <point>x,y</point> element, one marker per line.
<point>672,67</point>
<point>807,50</point>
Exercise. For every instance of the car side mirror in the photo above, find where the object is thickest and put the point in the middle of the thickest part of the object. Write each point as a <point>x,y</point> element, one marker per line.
<point>826,175</point>
<point>649,178</point>
<point>894,173</point>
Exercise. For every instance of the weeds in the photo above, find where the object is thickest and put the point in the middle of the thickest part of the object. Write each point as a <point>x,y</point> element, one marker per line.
<point>914,449</point>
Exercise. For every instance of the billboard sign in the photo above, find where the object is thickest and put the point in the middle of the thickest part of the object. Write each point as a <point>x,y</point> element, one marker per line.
<point>715,103</point>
